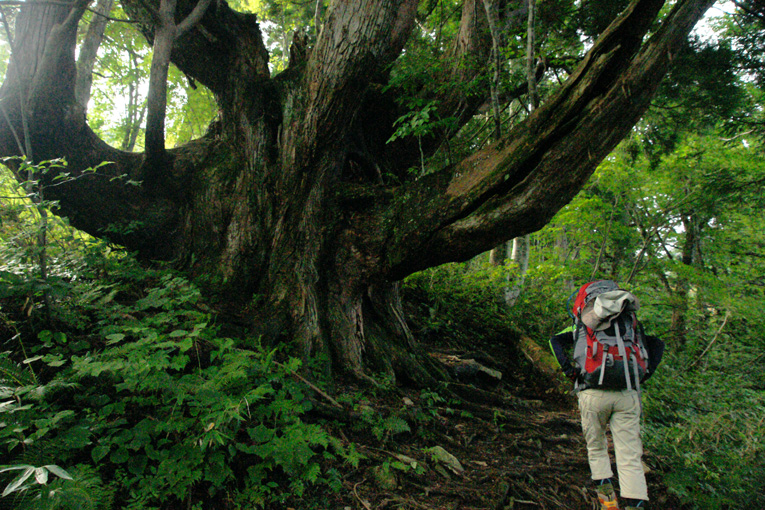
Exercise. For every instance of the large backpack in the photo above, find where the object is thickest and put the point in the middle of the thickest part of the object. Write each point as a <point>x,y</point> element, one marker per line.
<point>608,341</point>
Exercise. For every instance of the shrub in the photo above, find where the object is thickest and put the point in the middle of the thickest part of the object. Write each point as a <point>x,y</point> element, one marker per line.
<point>706,428</point>
<point>154,409</point>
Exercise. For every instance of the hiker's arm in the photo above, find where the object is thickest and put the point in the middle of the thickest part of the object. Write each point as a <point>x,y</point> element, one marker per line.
<point>559,344</point>
<point>655,349</point>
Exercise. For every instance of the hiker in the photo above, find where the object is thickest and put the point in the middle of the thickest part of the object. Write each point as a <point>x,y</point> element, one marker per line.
<point>612,357</point>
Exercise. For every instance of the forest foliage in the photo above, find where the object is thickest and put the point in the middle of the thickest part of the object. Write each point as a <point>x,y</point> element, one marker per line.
<point>121,387</point>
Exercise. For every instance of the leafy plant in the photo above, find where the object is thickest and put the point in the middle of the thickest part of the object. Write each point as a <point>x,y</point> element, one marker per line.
<point>157,403</point>
<point>41,476</point>
<point>706,430</point>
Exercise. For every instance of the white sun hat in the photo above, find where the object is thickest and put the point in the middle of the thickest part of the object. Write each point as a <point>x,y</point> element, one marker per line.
<point>601,311</point>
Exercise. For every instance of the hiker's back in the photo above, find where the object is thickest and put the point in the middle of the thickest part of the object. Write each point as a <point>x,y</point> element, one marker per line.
<point>608,341</point>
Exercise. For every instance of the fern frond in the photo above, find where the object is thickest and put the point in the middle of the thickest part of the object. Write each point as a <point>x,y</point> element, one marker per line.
<point>12,374</point>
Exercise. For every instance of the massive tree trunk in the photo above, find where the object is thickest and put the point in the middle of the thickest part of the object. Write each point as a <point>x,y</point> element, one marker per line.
<point>282,205</point>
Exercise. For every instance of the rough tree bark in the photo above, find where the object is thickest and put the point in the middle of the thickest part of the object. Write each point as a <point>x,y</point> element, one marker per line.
<point>282,204</point>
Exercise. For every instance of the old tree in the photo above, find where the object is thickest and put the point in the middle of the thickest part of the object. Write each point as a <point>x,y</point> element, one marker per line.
<point>288,202</point>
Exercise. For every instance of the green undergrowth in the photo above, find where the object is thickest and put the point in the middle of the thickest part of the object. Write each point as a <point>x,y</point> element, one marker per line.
<point>461,307</point>
<point>453,305</point>
<point>706,428</point>
<point>704,425</point>
<point>133,399</point>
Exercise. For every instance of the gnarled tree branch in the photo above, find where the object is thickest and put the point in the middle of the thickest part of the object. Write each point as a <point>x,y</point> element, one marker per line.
<point>359,39</point>
<point>516,185</point>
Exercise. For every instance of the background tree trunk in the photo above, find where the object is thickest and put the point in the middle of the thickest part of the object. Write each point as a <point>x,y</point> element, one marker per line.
<point>682,289</point>
<point>521,250</point>
<point>498,255</point>
<point>89,51</point>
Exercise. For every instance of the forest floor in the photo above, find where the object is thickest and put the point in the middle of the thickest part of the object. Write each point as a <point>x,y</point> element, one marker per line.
<point>519,446</point>
<point>503,434</point>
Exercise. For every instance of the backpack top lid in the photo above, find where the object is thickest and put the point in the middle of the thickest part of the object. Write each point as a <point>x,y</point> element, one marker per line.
<point>598,313</point>
<point>588,292</point>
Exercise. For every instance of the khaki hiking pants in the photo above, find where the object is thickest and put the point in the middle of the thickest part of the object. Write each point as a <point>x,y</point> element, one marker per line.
<point>621,410</point>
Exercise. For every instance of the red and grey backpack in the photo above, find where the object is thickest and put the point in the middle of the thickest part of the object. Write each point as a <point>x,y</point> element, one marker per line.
<point>608,341</point>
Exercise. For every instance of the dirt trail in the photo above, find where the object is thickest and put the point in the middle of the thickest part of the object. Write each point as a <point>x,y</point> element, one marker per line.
<point>520,445</point>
